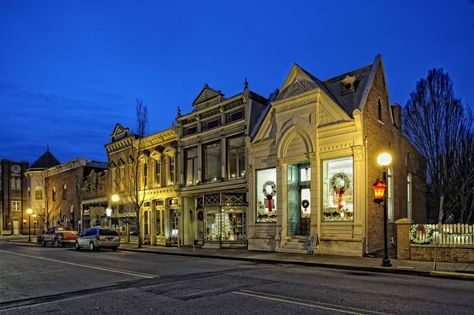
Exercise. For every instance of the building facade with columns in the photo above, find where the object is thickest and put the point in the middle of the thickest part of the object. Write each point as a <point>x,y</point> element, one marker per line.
<point>313,161</point>
<point>147,165</point>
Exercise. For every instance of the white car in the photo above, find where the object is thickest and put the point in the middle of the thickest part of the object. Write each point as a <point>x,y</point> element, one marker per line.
<point>95,238</point>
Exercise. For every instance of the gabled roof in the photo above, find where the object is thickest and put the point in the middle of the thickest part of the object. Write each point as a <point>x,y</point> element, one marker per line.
<point>299,81</point>
<point>45,161</point>
<point>206,94</point>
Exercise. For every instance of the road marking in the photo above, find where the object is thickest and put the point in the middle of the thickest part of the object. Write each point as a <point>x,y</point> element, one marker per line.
<point>307,303</point>
<point>125,272</point>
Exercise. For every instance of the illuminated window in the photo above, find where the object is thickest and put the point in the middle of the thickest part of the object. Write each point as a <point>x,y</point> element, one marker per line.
<point>191,166</point>
<point>158,173</point>
<point>212,161</point>
<point>172,165</point>
<point>338,190</point>
<point>265,190</point>
<point>409,197</point>
<point>38,194</point>
<point>16,205</point>
<point>235,157</point>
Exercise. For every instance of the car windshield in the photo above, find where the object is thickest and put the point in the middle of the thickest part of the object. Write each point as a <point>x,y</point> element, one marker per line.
<point>108,232</point>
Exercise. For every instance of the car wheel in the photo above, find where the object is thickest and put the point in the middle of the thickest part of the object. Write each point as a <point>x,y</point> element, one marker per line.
<point>92,247</point>
<point>77,246</point>
<point>56,243</point>
<point>114,248</point>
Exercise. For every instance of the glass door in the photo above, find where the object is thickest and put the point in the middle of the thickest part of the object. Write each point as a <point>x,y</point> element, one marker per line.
<point>299,199</point>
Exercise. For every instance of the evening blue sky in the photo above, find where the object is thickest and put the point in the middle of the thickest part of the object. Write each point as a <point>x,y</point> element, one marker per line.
<point>70,70</point>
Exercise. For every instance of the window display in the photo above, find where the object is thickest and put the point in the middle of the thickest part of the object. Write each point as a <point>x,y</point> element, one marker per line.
<point>266,195</point>
<point>338,190</point>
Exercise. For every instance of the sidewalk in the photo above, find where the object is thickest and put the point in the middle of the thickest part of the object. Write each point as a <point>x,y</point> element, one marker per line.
<point>421,268</point>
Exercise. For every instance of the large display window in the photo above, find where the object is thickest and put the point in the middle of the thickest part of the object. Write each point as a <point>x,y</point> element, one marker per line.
<point>338,190</point>
<point>266,195</point>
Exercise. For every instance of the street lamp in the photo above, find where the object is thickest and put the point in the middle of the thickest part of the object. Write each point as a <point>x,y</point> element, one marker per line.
<point>114,198</point>
<point>384,160</point>
<point>29,211</point>
<point>34,224</point>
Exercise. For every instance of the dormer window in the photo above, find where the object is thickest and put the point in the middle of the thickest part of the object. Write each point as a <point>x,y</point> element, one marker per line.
<point>349,84</point>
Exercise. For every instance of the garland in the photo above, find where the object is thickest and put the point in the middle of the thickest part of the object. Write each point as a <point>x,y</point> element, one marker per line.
<point>340,182</point>
<point>426,230</point>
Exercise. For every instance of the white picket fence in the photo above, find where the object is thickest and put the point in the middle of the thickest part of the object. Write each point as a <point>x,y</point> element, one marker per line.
<point>453,235</point>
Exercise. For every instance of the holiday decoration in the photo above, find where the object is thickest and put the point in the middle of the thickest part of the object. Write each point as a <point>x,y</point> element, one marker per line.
<point>340,182</point>
<point>425,231</point>
<point>269,190</point>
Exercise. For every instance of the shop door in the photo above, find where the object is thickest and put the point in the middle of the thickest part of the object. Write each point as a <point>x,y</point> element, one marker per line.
<point>299,197</point>
<point>174,227</point>
<point>16,227</point>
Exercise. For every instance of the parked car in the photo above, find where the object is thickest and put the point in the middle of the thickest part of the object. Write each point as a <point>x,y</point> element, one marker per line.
<point>97,237</point>
<point>58,237</point>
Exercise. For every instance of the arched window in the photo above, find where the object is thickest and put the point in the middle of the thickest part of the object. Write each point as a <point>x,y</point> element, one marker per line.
<point>64,192</point>
<point>379,110</point>
<point>390,210</point>
<point>409,197</point>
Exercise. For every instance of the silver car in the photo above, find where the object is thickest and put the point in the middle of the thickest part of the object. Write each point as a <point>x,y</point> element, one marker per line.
<point>98,237</point>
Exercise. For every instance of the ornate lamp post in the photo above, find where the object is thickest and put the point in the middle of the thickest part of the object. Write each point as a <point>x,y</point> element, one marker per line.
<point>29,211</point>
<point>384,160</point>
<point>114,198</point>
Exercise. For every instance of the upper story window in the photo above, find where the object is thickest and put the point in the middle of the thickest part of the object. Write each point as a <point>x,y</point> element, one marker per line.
<point>191,166</point>
<point>158,173</point>
<point>53,194</point>
<point>172,170</point>
<point>38,194</point>
<point>187,131</point>
<point>16,182</point>
<point>212,161</point>
<point>379,110</point>
<point>234,116</point>
<point>390,208</point>
<point>209,124</point>
<point>145,175</point>
<point>236,157</point>
<point>64,192</point>
<point>16,205</point>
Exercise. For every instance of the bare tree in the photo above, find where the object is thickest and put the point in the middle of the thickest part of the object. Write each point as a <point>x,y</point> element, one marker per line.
<point>133,189</point>
<point>439,126</point>
<point>45,207</point>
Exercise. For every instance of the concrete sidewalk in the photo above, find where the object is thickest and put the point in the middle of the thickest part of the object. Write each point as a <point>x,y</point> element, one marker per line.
<point>421,268</point>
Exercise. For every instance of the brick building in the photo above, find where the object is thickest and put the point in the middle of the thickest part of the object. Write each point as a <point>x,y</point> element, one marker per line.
<point>13,197</point>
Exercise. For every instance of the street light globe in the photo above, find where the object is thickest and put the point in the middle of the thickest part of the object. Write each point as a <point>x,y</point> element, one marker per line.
<point>115,198</point>
<point>34,215</point>
<point>108,212</point>
<point>29,211</point>
<point>384,159</point>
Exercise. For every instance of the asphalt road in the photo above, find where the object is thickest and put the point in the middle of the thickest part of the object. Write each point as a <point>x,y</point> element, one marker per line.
<point>36,280</point>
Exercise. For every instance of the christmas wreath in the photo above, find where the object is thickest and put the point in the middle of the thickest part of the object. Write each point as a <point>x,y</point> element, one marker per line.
<point>424,230</point>
<point>340,182</point>
<point>272,191</point>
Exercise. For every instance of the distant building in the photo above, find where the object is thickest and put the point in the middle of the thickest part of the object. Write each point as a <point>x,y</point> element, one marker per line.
<point>13,197</point>
<point>313,161</point>
<point>55,190</point>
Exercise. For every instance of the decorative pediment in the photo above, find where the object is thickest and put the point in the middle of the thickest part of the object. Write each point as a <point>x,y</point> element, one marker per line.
<point>207,97</point>
<point>121,162</point>
<point>156,153</point>
<point>297,82</point>
<point>296,146</point>
<point>170,151</point>
<point>120,132</point>
<point>112,164</point>
<point>144,155</point>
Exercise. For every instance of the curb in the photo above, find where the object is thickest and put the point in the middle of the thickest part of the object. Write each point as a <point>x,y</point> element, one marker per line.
<point>294,262</point>
<point>452,275</point>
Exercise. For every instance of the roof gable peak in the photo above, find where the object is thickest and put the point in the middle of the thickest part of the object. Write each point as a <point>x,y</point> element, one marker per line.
<point>207,97</point>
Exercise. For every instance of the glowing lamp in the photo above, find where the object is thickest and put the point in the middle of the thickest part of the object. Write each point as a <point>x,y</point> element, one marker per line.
<point>379,191</point>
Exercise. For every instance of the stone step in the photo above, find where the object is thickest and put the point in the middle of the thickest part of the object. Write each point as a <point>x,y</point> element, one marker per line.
<point>292,250</point>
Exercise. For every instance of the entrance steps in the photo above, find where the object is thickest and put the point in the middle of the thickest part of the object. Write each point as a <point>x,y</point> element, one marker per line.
<point>296,244</point>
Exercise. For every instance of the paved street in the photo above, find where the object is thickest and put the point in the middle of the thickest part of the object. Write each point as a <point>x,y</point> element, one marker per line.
<point>36,280</point>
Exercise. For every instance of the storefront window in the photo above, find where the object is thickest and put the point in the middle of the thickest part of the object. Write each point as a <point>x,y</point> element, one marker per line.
<point>266,195</point>
<point>338,190</point>
<point>227,224</point>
